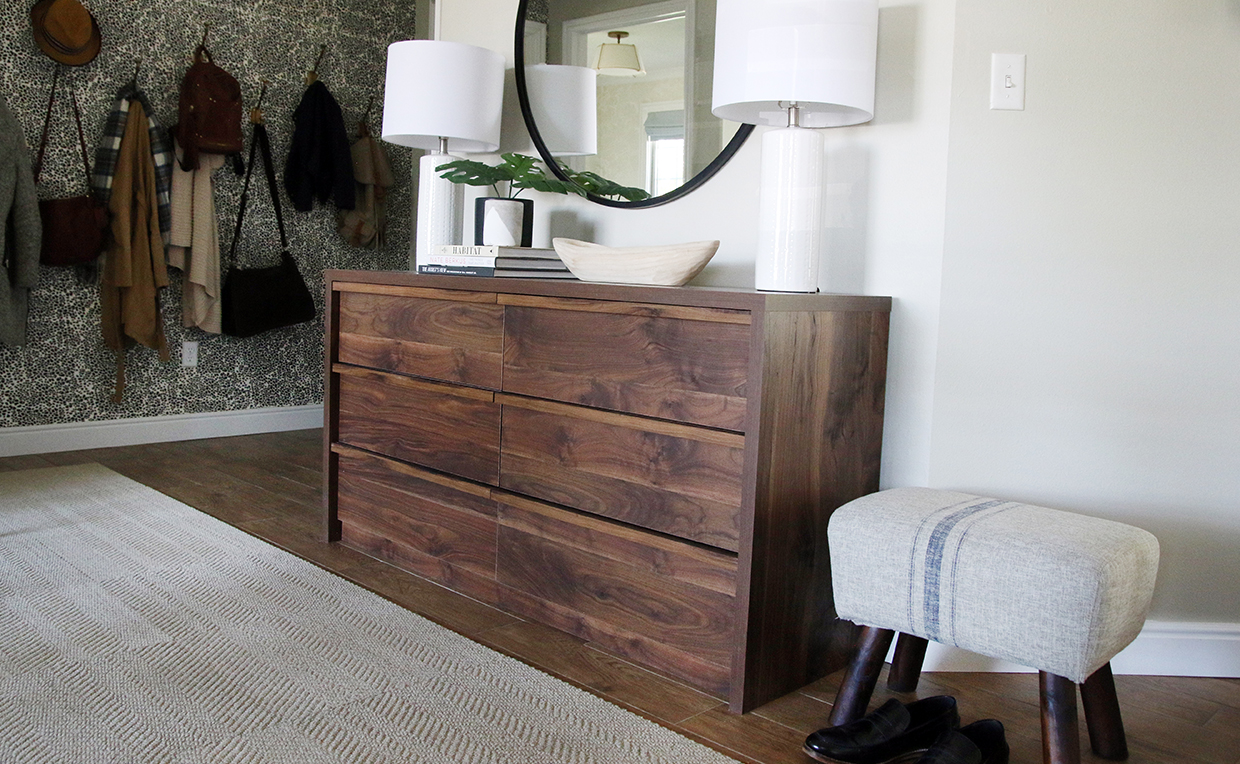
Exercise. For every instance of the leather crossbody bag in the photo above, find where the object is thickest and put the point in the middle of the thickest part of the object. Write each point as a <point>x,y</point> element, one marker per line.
<point>74,229</point>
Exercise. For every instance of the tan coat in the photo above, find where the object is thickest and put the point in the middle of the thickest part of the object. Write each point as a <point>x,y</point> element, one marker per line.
<point>366,224</point>
<point>134,270</point>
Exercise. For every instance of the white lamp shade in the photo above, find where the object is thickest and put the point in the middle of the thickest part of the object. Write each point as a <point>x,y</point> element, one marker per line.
<point>564,103</point>
<point>437,89</point>
<point>819,54</point>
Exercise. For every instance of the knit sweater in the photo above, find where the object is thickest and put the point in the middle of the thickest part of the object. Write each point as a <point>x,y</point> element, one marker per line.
<point>194,246</point>
<point>21,234</point>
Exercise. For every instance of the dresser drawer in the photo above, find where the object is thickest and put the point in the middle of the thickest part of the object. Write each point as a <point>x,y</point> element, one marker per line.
<point>444,427</point>
<point>683,364</point>
<point>672,478</point>
<point>428,524</point>
<point>662,602</point>
<point>436,334</point>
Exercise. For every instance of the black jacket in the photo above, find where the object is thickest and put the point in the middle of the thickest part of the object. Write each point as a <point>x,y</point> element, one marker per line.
<point>319,161</point>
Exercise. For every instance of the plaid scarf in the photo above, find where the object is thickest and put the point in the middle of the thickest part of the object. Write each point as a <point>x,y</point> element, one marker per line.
<point>110,146</point>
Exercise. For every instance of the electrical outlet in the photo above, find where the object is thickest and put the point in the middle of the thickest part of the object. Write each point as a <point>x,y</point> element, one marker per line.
<point>189,353</point>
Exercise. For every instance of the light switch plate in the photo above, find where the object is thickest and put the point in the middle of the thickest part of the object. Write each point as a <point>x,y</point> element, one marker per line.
<point>1007,81</point>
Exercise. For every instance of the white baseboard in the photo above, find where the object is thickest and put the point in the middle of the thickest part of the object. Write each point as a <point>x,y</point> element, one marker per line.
<point>1163,648</point>
<point>46,439</point>
<point>1182,649</point>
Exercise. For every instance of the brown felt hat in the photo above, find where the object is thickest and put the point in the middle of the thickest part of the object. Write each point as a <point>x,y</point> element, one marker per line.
<point>65,30</point>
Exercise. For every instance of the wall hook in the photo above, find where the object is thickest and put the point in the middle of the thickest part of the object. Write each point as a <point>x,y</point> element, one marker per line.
<point>313,74</point>
<point>256,114</point>
<point>206,29</point>
<point>363,127</point>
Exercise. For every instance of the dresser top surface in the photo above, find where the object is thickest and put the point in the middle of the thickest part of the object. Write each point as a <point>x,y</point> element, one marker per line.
<point>713,297</point>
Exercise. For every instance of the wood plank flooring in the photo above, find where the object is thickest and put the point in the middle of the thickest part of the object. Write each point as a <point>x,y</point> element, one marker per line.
<point>270,485</point>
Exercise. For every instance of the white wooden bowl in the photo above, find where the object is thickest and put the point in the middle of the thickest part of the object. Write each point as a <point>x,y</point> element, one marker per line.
<point>660,265</point>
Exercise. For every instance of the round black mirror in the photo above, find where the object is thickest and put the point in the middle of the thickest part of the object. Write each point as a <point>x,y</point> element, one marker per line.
<point>656,138</point>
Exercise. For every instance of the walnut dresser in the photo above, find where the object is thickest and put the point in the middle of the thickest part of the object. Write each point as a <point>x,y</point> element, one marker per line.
<point>648,468</point>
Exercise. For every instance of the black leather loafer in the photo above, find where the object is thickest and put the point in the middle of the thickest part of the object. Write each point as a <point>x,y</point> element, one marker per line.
<point>981,742</point>
<point>893,732</point>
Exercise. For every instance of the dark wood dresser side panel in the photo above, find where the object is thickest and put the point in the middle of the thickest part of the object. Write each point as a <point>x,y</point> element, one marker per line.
<point>455,430</point>
<point>596,585</point>
<point>331,409</point>
<point>433,526</point>
<point>441,339</point>
<point>673,368</point>
<point>820,445</point>
<point>626,468</point>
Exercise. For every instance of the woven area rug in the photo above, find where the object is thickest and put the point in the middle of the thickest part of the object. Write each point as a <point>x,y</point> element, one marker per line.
<point>136,629</point>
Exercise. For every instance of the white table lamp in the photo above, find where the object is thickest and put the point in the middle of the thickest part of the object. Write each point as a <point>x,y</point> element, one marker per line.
<point>795,64</point>
<point>441,96</point>
<point>564,103</point>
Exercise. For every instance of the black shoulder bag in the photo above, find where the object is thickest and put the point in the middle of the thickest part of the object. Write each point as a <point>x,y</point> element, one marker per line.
<point>261,299</point>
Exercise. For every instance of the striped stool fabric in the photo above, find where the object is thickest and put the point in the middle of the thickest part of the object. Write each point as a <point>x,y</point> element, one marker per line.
<point>1051,590</point>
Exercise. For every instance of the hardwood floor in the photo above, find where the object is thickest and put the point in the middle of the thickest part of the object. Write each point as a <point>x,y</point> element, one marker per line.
<point>269,485</point>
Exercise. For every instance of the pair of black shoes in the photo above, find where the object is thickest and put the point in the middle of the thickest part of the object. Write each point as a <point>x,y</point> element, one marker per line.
<point>927,731</point>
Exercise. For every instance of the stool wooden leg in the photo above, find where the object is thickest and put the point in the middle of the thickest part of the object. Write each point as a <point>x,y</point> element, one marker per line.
<point>1102,719</point>
<point>1060,734</point>
<point>861,676</point>
<point>906,663</point>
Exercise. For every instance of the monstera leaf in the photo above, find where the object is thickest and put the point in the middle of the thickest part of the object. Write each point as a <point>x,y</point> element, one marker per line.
<point>599,186</point>
<point>516,173</point>
<point>519,171</point>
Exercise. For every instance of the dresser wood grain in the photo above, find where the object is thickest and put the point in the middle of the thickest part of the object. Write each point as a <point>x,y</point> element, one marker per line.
<point>672,478</point>
<point>650,469</point>
<point>687,369</point>
<point>443,336</point>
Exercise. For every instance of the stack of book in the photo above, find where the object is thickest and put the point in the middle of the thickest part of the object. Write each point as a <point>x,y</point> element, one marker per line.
<point>494,261</point>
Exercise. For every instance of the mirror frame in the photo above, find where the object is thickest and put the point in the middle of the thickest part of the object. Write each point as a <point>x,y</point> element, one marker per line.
<point>527,114</point>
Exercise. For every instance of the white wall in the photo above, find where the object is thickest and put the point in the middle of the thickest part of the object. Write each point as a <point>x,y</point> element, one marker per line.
<point>1087,354</point>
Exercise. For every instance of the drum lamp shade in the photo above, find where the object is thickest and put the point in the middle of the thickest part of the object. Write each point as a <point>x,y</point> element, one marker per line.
<point>819,54</point>
<point>437,89</point>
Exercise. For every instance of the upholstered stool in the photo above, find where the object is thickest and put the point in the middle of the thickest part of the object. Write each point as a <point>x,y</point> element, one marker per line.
<point>1051,590</point>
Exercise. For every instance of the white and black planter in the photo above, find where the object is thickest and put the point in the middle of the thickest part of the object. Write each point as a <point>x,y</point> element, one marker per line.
<point>506,222</point>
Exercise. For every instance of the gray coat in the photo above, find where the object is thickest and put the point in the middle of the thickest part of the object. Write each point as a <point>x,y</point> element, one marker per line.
<point>20,233</point>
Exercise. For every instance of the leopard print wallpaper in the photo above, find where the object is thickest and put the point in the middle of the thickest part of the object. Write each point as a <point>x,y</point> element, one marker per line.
<point>64,374</point>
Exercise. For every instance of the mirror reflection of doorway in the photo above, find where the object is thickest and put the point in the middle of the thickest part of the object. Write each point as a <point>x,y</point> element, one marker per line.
<point>641,121</point>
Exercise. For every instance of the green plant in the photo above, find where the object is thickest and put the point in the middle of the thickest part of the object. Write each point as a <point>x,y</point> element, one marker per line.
<point>599,186</point>
<point>517,171</point>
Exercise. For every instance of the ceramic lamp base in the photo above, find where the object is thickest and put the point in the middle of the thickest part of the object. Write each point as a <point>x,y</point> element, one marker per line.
<point>790,211</point>
<point>441,206</point>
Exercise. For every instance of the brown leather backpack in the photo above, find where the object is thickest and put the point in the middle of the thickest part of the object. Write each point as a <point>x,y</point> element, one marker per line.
<point>210,111</point>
